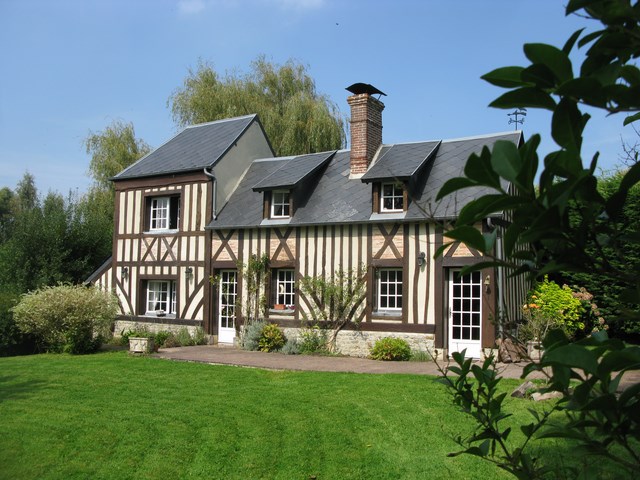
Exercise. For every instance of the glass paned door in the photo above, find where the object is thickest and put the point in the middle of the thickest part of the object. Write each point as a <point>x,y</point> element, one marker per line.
<point>465,313</point>
<point>227,297</point>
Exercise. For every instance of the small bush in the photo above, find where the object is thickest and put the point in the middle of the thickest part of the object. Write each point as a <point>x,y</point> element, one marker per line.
<point>171,341</point>
<point>292,347</point>
<point>272,338</point>
<point>251,335</point>
<point>161,337</point>
<point>313,340</point>
<point>69,318</point>
<point>389,348</point>
<point>420,356</point>
<point>137,331</point>
<point>184,337</point>
<point>199,337</point>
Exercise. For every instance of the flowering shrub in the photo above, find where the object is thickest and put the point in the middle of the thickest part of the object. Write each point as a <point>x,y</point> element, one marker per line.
<point>550,306</point>
<point>69,318</point>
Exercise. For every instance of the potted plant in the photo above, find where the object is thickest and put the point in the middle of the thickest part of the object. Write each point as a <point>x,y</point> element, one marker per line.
<point>141,345</point>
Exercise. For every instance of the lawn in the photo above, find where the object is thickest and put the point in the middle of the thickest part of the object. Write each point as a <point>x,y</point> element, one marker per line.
<point>110,415</point>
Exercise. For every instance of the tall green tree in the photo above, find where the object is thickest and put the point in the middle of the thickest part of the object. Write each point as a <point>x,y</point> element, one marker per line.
<point>296,118</point>
<point>112,150</point>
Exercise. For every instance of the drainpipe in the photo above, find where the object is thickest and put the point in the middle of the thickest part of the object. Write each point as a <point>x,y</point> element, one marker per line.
<point>499,257</point>
<point>214,213</point>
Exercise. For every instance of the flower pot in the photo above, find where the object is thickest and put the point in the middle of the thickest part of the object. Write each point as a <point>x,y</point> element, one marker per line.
<point>278,306</point>
<point>534,350</point>
<point>141,345</point>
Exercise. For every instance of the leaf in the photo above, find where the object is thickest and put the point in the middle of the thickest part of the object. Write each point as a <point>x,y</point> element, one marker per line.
<point>631,119</point>
<point>553,58</point>
<point>568,46</point>
<point>588,89</point>
<point>567,127</point>
<point>506,77</point>
<point>506,161</point>
<point>479,170</point>
<point>524,97</point>
<point>470,236</point>
<point>453,185</point>
<point>484,206</point>
<point>572,355</point>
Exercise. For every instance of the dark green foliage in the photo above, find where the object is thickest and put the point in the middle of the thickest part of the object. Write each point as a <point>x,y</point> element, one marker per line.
<point>392,349</point>
<point>570,223</point>
<point>12,340</point>
<point>271,339</point>
<point>313,340</point>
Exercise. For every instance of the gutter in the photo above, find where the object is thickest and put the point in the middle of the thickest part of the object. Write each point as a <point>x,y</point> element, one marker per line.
<point>214,214</point>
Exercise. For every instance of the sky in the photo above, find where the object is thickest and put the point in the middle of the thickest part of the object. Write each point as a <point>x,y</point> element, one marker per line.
<point>72,67</point>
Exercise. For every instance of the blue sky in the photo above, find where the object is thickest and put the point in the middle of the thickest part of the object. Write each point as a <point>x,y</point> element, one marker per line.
<point>70,67</point>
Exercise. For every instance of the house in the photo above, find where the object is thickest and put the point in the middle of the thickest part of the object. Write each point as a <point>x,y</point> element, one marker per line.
<point>200,205</point>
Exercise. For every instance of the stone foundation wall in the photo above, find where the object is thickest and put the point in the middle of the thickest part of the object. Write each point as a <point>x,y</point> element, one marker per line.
<point>359,343</point>
<point>124,325</point>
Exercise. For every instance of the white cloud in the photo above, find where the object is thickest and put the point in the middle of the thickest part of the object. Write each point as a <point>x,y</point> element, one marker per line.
<point>191,7</point>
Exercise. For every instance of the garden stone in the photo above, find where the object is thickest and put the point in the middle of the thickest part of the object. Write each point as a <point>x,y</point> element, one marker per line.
<point>539,397</point>
<point>522,390</point>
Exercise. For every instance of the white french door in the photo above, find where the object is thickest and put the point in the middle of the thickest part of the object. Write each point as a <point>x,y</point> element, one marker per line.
<point>227,296</point>
<point>465,313</point>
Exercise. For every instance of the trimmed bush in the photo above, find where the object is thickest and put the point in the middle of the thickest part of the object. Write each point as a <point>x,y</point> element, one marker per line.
<point>67,318</point>
<point>313,340</point>
<point>251,335</point>
<point>271,339</point>
<point>292,347</point>
<point>390,348</point>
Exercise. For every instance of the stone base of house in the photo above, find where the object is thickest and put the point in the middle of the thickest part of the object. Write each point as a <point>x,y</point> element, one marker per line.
<point>359,343</point>
<point>152,327</point>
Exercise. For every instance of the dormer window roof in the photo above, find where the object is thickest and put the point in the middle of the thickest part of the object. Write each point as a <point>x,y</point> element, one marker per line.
<point>401,162</point>
<point>294,170</point>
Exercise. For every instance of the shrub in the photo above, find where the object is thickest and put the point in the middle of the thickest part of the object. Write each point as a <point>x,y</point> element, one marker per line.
<point>313,340</point>
<point>420,356</point>
<point>137,331</point>
<point>171,341</point>
<point>292,347</point>
<point>200,337</point>
<point>184,338</point>
<point>67,318</point>
<point>161,337</point>
<point>389,348</point>
<point>272,338</point>
<point>12,340</point>
<point>251,335</point>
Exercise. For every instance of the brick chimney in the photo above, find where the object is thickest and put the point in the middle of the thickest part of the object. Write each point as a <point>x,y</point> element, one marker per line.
<point>366,128</point>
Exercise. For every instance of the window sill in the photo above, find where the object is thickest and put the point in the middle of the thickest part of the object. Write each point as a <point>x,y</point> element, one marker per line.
<point>286,311</point>
<point>155,315</point>
<point>387,315</point>
<point>172,231</point>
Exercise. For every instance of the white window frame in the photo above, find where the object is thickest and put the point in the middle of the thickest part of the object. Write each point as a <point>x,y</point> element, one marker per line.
<point>285,285</point>
<point>160,214</point>
<point>390,290</point>
<point>161,295</point>
<point>281,200</point>
<point>396,195</point>
<point>228,297</point>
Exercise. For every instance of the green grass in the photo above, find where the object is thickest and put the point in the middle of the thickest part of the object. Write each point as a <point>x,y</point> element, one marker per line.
<point>114,416</point>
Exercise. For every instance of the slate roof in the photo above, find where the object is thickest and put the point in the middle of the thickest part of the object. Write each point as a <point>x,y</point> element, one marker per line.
<point>401,161</point>
<point>194,148</point>
<point>293,171</point>
<point>334,198</point>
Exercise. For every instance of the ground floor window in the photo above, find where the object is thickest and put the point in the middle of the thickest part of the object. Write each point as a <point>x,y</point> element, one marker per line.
<point>283,281</point>
<point>161,297</point>
<point>389,289</point>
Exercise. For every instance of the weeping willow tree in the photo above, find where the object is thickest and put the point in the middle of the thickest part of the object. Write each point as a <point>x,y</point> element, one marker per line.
<point>296,118</point>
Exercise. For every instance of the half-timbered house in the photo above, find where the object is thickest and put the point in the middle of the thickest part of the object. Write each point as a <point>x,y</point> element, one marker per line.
<point>200,205</point>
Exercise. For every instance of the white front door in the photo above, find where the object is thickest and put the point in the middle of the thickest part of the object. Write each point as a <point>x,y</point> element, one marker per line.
<point>465,313</point>
<point>227,296</point>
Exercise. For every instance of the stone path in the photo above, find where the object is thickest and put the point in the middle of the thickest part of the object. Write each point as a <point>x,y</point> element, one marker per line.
<point>223,355</point>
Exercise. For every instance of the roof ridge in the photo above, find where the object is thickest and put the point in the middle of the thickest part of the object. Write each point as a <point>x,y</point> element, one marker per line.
<point>222,120</point>
<point>486,135</point>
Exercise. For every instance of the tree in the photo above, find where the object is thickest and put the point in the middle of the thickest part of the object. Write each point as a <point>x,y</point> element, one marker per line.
<point>295,117</point>
<point>6,212</point>
<point>112,150</point>
<point>553,227</point>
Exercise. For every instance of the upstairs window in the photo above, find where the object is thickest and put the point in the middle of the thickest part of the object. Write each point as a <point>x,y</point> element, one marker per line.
<point>163,213</point>
<point>161,297</point>
<point>391,197</point>
<point>280,204</point>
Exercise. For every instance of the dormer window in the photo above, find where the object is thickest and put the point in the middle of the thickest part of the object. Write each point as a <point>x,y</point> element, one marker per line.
<point>280,204</point>
<point>391,197</point>
<point>163,213</point>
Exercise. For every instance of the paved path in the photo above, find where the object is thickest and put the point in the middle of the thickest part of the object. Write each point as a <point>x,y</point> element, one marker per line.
<point>276,361</point>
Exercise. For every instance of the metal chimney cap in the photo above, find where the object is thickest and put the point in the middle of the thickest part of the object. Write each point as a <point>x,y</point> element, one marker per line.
<point>358,88</point>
